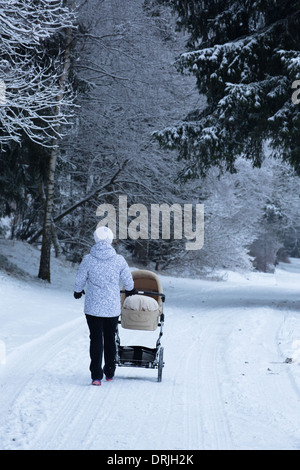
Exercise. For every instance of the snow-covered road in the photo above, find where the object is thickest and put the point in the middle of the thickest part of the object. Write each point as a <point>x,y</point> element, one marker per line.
<point>231,378</point>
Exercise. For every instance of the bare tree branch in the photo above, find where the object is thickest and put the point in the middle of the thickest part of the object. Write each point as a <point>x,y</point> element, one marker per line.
<point>32,79</point>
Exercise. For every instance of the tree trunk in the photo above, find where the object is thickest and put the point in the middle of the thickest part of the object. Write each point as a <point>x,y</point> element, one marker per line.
<point>82,201</point>
<point>55,241</point>
<point>44,271</point>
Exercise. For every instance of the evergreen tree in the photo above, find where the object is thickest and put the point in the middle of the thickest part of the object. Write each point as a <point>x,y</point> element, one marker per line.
<point>245,56</point>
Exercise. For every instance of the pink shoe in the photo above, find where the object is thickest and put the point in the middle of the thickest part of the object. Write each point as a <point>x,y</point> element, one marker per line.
<point>108,379</point>
<point>96,382</point>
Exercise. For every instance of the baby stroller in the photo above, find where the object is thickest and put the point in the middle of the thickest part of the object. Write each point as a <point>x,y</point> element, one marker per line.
<point>143,311</point>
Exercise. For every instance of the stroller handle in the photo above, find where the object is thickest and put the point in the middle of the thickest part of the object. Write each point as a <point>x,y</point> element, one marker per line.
<point>148,292</point>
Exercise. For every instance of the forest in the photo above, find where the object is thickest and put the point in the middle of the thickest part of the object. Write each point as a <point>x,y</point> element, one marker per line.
<point>165,103</point>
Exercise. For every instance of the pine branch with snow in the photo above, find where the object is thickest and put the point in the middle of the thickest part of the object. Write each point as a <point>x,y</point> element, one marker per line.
<point>245,57</point>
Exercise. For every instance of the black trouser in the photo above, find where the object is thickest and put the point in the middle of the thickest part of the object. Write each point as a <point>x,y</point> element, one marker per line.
<point>102,338</point>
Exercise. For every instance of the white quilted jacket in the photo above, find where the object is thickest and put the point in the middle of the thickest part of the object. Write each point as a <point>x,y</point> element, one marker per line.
<point>101,271</point>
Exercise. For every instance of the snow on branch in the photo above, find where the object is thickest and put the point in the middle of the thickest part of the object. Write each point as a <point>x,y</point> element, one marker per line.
<point>25,23</point>
<point>34,103</point>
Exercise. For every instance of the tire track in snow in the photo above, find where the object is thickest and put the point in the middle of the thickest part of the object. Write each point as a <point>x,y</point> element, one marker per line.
<point>273,384</point>
<point>257,396</point>
<point>26,360</point>
<point>205,414</point>
<point>88,416</point>
<point>285,330</point>
<point>26,399</point>
<point>194,400</point>
<point>71,424</point>
<point>174,399</point>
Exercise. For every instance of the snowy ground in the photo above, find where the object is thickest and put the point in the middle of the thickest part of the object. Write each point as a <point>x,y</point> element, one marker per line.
<point>231,378</point>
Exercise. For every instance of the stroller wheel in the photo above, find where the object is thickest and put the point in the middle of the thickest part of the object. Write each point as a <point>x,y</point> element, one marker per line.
<point>160,364</point>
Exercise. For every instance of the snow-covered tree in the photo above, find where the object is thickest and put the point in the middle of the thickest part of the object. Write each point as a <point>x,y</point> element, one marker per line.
<point>35,48</point>
<point>280,217</point>
<point>126,89</point>
<point>31,72</point>
<point>48,225</point>
<point>245,57</point>
<point>248,216</point>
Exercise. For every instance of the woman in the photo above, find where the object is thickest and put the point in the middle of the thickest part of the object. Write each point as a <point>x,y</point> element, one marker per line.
<point>101,270</point>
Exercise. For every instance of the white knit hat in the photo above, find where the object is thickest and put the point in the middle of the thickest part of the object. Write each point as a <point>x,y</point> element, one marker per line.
<point>103,234</point>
